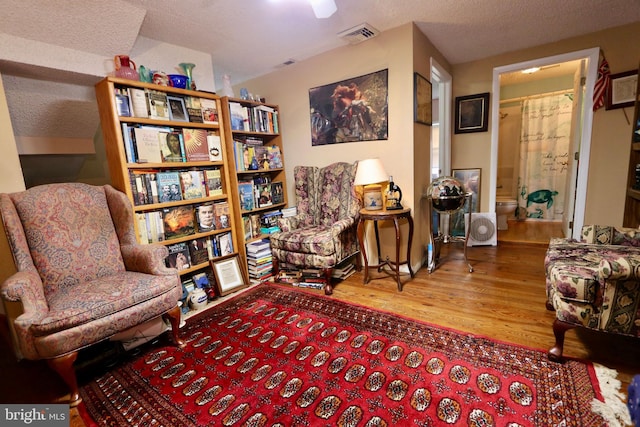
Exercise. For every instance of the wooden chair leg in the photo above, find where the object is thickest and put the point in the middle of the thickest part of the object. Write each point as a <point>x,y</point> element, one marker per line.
<point>173,316</point>
<point>328,289</point>
<point>559,329</point>
<point>63,365</point>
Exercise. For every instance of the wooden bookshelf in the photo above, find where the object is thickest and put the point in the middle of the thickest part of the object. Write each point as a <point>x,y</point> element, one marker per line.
<point>124,168</point>
<point>260,122</point>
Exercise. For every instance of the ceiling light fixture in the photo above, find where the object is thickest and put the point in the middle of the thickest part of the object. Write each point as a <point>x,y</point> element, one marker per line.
<point>323,8</point>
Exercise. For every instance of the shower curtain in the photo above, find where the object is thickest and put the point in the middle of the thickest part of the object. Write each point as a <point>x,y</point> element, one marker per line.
<point>544,155</point>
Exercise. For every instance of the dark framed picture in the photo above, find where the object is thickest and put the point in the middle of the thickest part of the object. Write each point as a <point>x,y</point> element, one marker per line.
<point>177,109</point>
<point>229,278</point>
<point>621,91</point>
<point>421,100</point>
<point>472,113</point>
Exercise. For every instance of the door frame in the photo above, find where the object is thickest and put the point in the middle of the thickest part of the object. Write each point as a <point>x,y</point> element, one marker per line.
<point>592,55</point>
<point>444,80</point>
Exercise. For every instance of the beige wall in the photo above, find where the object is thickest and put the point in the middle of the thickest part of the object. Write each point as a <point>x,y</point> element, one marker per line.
<point>10,182</point>
<point>405,154</point>
<point>611,138</point>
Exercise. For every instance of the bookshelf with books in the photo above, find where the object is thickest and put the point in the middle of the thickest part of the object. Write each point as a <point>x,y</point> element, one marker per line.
<point>258,186</point>
<point>174,168</point>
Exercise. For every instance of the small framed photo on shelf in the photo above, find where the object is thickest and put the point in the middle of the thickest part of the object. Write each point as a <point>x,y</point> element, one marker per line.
<point>228,276</point>
<point>177,109</point>
<point>472,113</point>
<point>421,100</point>
<point>621,91</point>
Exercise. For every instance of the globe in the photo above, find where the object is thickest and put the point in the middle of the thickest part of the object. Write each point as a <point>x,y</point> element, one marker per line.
<point>447,194</point>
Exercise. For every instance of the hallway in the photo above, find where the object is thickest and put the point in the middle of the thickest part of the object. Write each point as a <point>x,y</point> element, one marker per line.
<point>538,232</point>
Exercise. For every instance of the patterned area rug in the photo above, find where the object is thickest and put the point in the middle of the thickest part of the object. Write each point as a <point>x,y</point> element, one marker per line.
<point>276,356</point>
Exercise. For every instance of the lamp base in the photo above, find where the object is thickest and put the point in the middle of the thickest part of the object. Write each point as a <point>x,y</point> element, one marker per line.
<point>372,197</point>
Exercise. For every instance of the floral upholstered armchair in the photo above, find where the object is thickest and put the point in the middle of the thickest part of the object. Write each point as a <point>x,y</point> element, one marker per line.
<point>594,283</point>
<point>81,276</point>
<point>323,233</point>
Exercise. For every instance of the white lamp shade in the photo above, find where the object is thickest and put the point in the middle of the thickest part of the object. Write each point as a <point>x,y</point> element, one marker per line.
<point>370,171</point>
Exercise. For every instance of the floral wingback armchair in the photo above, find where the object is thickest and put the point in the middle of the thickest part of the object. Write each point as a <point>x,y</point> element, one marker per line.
<point>81,275</point>
<point>594,283</point>
<point>323,233</point>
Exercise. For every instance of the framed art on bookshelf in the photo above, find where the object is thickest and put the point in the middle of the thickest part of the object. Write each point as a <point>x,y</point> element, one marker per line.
<point>177,109</point>
<point>228,276</point>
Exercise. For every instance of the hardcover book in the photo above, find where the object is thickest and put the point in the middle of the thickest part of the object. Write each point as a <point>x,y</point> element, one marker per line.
<point>209,110</point>
<point>215,147</point>
<point>171,146</point>
<point>245,189</point>
<point>178,221</point>
<point>195,145</point>
<point>178,256</point>
<point>158,106</point>
<point>213,178</point>
<point>192,184</point>
<point>205,216</point>
<point>275,157</point>
<point>277,192</point>
<point>263,195</point>
<point>138,100</point>
<point>225,243</point>
<point>194,109</point>
<point>168,186</point>
<point>221,210</point>
<point>147,145</point>
<point>198,251</point>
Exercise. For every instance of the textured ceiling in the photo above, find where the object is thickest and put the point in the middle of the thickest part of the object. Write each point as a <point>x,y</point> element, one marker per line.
<point>249,38</point>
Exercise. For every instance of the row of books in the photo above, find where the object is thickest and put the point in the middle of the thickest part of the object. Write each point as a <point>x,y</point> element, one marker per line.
<point>184,255</point>
<point>303,278</point>
<point>259,195</point>
<point>154,104</point>
<point>179,221</point>
<point>259,260</point>
<point>256,157</point>
<point>160,186</point>
<point>163,144</point>
<point>256,118</point>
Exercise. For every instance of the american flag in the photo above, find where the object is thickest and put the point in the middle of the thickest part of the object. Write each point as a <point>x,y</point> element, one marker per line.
<point>602,83</point>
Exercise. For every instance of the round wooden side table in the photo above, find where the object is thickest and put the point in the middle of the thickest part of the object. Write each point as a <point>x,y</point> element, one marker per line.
<point>386,215</point>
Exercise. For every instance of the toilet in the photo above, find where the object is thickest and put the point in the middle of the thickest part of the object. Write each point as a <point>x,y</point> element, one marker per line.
<point>505,209</point>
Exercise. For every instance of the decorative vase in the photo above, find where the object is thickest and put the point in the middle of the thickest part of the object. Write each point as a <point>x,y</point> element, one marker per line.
<point>123,67</point>
<point>197,299</point>
<point>188,71</point>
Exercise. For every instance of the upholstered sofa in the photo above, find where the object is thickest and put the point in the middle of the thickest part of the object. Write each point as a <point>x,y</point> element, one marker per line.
<point>323,233</point>
<point>594,283</point>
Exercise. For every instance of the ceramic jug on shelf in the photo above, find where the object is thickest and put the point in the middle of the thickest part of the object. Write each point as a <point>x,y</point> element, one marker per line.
<point>123,67</point>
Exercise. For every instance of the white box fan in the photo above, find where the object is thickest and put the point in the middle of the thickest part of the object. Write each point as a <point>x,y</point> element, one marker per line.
<point>482,230</point>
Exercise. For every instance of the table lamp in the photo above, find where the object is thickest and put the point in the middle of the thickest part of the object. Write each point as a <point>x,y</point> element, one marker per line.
<point>370,174</point>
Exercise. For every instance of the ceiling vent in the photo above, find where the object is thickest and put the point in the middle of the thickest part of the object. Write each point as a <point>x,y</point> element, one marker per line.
<point>359,33</point>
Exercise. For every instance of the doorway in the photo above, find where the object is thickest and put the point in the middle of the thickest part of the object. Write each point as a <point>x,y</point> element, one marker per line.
<point>580,152</point>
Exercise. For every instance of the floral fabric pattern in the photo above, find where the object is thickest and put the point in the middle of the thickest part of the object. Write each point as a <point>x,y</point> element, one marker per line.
<point>324,230</point>
<point>595,283</point>
<point>81,276</point>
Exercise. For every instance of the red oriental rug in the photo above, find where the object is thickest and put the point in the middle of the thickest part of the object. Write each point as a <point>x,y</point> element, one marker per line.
<point>281,356</point>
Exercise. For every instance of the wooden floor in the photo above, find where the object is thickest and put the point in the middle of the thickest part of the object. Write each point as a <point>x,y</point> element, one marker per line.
<point>504,298</point>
